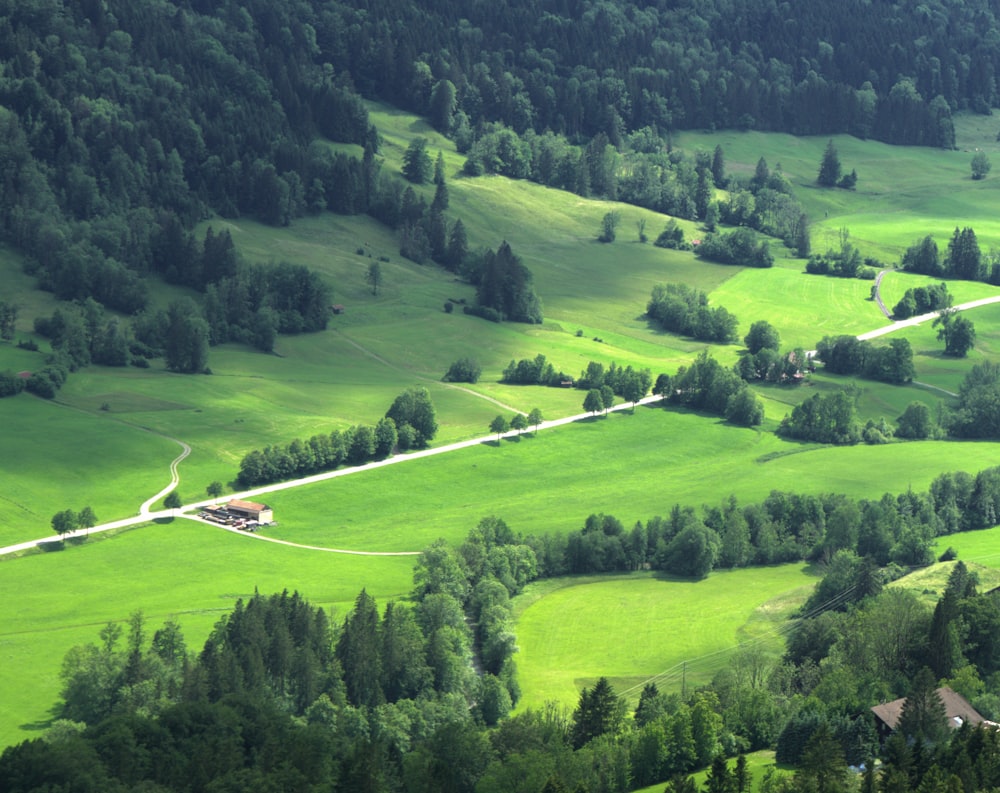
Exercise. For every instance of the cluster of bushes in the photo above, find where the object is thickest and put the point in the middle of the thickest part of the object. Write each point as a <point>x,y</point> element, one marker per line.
<point>833,418</point>
<point>536,371</point>
<point>736,247</point>
<point>679,308</point>
<point>504,285</point>
<point>409,423</point>
<point>707,385</point>
<point>848,355</point>
<point>922,300</point>
<point>10,384</point>
<point>672,237</point>
<point>464,370</point>
<point>843,264</point>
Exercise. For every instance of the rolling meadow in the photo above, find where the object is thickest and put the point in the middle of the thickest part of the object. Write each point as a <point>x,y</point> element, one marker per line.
<point>108,438</point>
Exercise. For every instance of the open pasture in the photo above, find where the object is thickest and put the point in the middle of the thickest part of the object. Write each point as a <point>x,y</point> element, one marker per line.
<point>631,466</point>
<point>643,628</point>
<point>976,547</point>
<point>903,192</point>
<point>181,570</point>
<point>402,336</point>
<point>56,458</point>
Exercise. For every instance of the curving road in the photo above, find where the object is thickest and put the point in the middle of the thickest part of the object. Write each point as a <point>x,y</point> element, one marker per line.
<point>174,478</point>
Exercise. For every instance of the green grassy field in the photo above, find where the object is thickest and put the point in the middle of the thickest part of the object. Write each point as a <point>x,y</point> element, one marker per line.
<point>639,628</point>
<point>72,453</point>
<point>632,466</point>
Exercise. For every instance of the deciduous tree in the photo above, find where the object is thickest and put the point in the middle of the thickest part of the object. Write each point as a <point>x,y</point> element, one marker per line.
<point>499,425</point>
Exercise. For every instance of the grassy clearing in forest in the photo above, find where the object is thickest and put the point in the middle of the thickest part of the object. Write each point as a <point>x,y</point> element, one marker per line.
<point>643,628</point>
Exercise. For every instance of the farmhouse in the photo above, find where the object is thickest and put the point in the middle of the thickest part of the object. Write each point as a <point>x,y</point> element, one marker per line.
<point>957,709</point>
<point>250,510</point>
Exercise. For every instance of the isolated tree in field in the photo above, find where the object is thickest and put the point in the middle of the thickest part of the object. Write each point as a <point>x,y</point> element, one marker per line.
<point>593,403</point>
<point>464,370</point>
<point>374,276</point>
<point>609,226</point>
<point>173,500</point>
<point>964,258</point>
<point>535,418</point>
<point>499,425</point>
<point>214,490</point>
<point>957,332</point>
<point>640,227</point>
<point>417,166</point>
<point>829,169</point>
<point>63,522</point>
<point>519,422</point>
<point>980,165</point>
<point>762,336</point>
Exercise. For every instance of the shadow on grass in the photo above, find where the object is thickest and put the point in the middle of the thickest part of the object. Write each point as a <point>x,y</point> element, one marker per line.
<point>49,547</point>
<point>164,521</point>
<point>37,726</point>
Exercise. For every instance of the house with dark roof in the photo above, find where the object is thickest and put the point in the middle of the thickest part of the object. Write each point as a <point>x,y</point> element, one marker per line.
<point>956,707</point>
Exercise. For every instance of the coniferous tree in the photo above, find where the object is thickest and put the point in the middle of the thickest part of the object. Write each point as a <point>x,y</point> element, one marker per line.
<point>829,169</point>
<point>417,162</point>
<point>458,247</point>
<point>923,718</point>
<point>719,167</point>
<point>358,653</point>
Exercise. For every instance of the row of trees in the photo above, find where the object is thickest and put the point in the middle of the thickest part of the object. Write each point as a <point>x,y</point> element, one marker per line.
<point>409,423</point>
<point>964,258</point>
<point>922,300</point>
<point>784,527</point>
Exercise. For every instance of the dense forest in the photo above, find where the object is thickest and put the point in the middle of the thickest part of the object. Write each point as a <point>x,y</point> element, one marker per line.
<point>283,697</point>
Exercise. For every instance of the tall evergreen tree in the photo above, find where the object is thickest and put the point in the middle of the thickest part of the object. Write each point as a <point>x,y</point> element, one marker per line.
<point>358,653</point>
<point>923,719</point>
<point>829,169</point>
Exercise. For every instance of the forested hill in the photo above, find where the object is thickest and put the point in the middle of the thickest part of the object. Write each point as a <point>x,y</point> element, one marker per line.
<point>122,121</point>
<point>890,70</point>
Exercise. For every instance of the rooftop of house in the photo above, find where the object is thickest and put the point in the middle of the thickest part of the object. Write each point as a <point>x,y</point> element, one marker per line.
<point>957,709</point>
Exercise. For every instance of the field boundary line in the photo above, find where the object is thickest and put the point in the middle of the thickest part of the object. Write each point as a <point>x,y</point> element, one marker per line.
<point>424,378</point>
